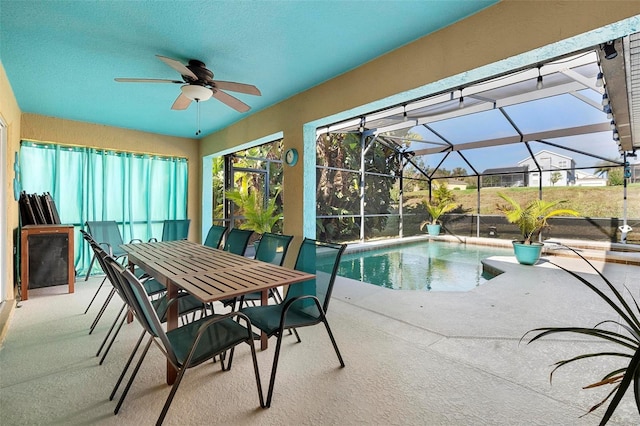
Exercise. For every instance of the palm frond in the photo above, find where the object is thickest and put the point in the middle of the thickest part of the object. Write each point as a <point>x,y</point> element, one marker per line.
<point>630,374</point>
<point>532,217</point>
<point>599,404</point>
<point>564,362</point>
<point>611,336</point>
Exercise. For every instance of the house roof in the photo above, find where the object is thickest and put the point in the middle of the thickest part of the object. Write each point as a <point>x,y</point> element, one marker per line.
<point>506,170</point>
<point>544,151</point>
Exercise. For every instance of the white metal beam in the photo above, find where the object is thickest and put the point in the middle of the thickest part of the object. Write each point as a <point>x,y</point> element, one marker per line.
<point>552,134</point>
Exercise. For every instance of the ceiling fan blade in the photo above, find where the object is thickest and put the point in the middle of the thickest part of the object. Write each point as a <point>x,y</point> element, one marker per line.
<point>146,80</point>
<point>231,101</point>
<point>178,66</point>
<point>237,87</point>
<point>181,102</point>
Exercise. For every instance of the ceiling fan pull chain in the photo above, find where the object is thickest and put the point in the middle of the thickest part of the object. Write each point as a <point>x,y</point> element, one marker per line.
<point>198,116</point>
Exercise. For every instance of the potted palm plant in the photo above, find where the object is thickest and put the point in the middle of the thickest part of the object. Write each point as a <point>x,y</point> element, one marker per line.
<point>436,210</point>
<point>259,217</point>
<point>531,219</point>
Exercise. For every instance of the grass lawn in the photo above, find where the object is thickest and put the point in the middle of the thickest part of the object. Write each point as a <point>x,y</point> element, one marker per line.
<point>603,201</point>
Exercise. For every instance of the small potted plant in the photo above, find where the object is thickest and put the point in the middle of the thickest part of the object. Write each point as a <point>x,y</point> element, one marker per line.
<point>531,219</point>
<point>436,210</point>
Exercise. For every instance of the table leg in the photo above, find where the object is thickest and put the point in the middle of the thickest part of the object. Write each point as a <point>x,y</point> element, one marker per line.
<point>129,313</point>
<point>172,323</point>
<point>264,300</point>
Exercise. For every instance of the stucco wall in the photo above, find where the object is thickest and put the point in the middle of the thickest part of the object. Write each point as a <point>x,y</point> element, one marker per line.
<point>504,30</point>
<point>10,113</point>
<point>49,129</point>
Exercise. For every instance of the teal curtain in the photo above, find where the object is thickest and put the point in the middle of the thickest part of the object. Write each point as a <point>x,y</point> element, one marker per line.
<point>138,191</point>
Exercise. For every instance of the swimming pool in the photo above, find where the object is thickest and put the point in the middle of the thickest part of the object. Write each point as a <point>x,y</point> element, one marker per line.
<point>426,265</point>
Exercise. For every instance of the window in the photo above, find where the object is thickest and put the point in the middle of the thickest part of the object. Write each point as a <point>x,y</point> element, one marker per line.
<point>257,169</point>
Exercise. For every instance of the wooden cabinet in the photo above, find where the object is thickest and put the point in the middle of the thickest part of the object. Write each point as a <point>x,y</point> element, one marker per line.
<point>46,257</point>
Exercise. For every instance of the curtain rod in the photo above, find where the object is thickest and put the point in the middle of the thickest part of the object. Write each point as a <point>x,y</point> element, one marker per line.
<point>68,145</point>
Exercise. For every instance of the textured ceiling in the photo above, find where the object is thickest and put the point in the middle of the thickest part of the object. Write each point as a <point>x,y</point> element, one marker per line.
<point>61,57</point>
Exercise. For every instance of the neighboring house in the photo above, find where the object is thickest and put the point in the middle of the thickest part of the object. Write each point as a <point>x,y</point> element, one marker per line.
<point>456,184</point>
<point>552,165</point>
<point>505,177</point>
<point>587,179</point>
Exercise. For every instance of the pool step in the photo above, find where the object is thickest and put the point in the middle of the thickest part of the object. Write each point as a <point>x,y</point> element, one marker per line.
<point>627,257</point>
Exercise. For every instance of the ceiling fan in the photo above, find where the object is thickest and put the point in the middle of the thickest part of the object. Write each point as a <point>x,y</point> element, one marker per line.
<point>198,85</point>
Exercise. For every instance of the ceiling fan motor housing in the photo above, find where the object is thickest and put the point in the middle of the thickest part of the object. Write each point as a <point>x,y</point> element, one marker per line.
<point>199,68</point>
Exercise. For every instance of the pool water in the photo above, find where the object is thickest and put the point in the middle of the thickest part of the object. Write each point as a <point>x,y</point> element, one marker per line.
<point>427,266</point>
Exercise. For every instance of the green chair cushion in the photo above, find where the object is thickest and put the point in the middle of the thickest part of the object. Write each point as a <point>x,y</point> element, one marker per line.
<point>267,318</point>
<point>186,304</point>
<point>219,337</point>
<point>152,287</point>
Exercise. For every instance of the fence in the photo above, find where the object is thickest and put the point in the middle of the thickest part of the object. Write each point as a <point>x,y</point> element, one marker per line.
<point>590,229</point>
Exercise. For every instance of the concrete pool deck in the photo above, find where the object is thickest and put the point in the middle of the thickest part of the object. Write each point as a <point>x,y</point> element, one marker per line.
<point>412,358</point>
<point>481,329</point>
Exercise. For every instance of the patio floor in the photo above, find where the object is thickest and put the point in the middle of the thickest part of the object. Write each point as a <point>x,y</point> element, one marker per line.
<point>412,358</point>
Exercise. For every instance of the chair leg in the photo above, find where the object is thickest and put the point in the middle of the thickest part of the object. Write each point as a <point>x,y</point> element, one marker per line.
<point>115,321</point>
<point>104,308</point>
<point>93,259</point>
<point>272,380</point>
<point>237,304</point>
<point>172,393</point>
<point>223,356</point>
<point>255,368</point>
<point>333,341</point>
<point>133,375</point>
<point>257,373</point>
<point>276,295</point>
<point>95,295</point>
<point>296,333</point>
<point>126,367</point>
<point>113,339</point>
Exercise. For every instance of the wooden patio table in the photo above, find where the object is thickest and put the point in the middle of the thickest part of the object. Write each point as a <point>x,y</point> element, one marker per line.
<point>208,274</point>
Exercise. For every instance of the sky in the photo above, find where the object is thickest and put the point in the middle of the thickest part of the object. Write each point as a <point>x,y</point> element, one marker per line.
<point>542,115</point>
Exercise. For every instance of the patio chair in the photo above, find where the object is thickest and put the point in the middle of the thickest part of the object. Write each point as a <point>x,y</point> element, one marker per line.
<point>153,286</point>
<point>187,346</point>
<point>271,249</point>
<point>306,303</point>
<point>107,234</point>
<point>237,241</point>
<point>214,236</point>
<point>174,230</point>
<point>187,304</point>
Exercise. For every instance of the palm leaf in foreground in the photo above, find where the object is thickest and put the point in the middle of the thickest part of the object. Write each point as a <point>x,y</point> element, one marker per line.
<point>620,378</point>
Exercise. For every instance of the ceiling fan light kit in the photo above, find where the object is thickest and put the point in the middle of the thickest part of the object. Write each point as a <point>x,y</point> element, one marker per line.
<point>196,92</point>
